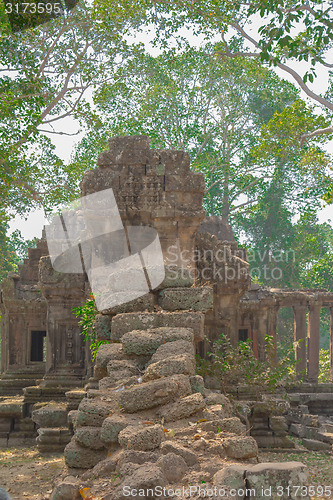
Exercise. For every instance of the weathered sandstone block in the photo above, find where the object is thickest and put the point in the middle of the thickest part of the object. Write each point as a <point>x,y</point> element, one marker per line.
<point>79,457</point>
<point>147,342</point>
<point>12,407</point>
<point>68,489</point>
<point>155,393</point>
<point>145,477</point>
<point>92,412</point>
<point>232,476</point>
<point>241,448</point>
<point>144,303</point>
<point>140,437</point>
<point>184,363</point>
<point>111,428</point>
<point>51,415</point>
<point>173,447</point>
<point>123,323</point>
<point>182,408</point>
<point>196,299</point>
<point>172,349</point>
<point>263,476</point>
<point>89,437</point>
<point>173,467</point>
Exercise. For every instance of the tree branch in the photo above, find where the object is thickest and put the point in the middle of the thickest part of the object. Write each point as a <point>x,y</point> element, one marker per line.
<point>284,67</point>
<point>243,204</point>
<point>57,133</point>
<point>319,131</point>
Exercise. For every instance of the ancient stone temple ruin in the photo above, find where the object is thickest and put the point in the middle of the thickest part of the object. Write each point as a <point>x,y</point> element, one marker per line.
<point>142,386</point>
<point>39,334</point>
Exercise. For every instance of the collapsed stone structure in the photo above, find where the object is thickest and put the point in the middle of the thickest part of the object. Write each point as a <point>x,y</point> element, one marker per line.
<point>146,372</point>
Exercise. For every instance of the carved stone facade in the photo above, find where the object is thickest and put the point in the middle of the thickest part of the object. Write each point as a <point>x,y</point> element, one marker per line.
<point>23,312</point>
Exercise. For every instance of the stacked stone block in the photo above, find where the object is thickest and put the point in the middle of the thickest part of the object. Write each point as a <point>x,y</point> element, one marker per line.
<point>147,370</point>
<point>315,432</point>
<point>147,416</point>
<point>269,425</point>
<point>52,426</point>
<point>15,426</point>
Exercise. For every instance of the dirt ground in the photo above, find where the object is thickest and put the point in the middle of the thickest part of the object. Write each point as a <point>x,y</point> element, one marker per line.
<point>26,474</point>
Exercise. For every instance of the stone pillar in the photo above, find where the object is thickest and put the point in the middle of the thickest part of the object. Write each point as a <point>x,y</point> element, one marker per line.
<point>272,322</point>
<point>300,334</point>
<point>331,343</point>
<point>254,337</point>
<point>313,342</point>
<point>262,331</point>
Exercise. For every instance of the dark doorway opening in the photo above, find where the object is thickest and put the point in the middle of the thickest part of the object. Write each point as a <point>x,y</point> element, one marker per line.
<point>37,352</point>
<point>243,335</point>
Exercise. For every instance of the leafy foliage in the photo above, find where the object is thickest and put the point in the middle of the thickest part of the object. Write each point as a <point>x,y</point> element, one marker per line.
<point>283,253</point>
<point>280,40</point>
<point>238,365</point>
<point>13,248</point>
<point>239,122</point>
<point>87,314</point>
<point>324,366</point>
<point>287,31</point>
<point>45,74</point>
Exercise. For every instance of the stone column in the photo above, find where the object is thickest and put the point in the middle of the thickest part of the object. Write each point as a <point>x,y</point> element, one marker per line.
<point>300,334</point>
<point>313,342</point>
<point>261,330</point>
<point>331,343</point>
<point>254,337</point>
<point>272,322</point>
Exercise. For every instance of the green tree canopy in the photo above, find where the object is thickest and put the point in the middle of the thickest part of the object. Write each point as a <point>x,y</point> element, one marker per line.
<point>278,32</point>
<point>238,121</point>
<point>45,75</point>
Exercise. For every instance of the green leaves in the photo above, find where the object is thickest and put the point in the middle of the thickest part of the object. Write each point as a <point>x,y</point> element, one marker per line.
<point>324,366</point>
<point>13,248</point>
<point>87,314</point>
<point>44,74</point>
<point>194,99</point>
<point>238,365</point>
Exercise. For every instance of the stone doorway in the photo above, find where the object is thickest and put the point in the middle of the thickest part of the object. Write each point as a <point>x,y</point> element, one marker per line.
<point>38,346</point>
<point>243,334</point>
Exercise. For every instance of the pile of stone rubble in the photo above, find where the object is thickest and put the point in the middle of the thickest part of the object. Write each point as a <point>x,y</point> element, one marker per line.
<point>152,424</point>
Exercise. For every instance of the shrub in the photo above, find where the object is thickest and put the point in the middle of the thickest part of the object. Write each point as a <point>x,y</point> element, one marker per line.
<point>324,366</point>
<point>87,313</point>
<point>238,365</point>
